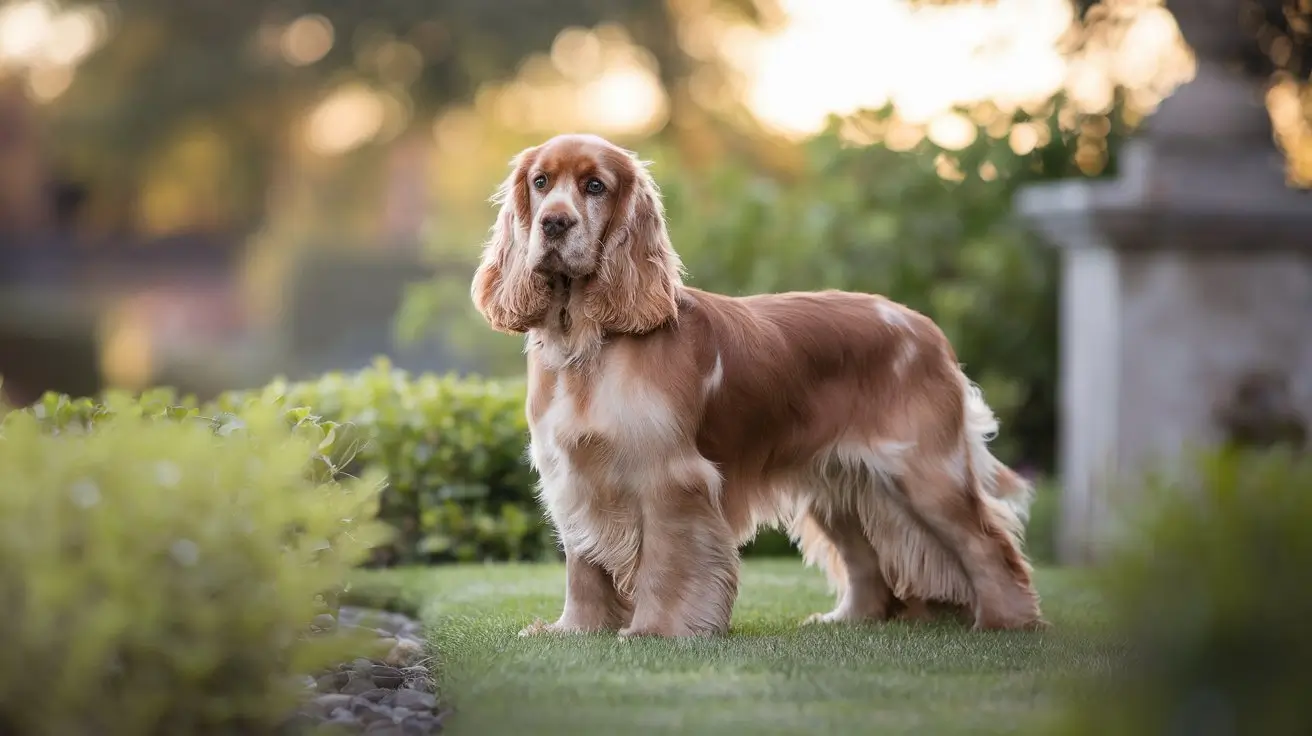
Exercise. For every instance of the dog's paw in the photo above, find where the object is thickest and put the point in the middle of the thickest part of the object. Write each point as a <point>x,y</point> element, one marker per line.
<point>661,632</point>
<point>1038,624</point>
<point>844,617</point>
<point>536,628</point>
<point>836,617</point>
<point>818,618</point>
<point>540,627</point>
<point>630,632</point>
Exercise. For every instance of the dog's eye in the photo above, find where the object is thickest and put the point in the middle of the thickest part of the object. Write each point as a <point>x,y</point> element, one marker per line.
<point>595,186</point>
<point>539,181</point>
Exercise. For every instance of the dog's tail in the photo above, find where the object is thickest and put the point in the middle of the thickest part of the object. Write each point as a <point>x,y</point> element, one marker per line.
<point>1007,494</point>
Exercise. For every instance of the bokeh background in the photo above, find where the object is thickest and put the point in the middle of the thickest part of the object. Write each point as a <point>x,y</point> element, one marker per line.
<point>208,194</point>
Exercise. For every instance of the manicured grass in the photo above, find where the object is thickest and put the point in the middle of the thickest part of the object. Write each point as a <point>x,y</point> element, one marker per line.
<point>770,676</point>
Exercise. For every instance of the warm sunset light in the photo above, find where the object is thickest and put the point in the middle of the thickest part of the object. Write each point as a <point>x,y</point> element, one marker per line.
<point>838,56</point>
<point>1293,130</point>
<point>347,119</point>
<point>24,28</point>
<point>307,40</point>
<point>127,354</point>
<point>594,79</point>
<point>46,43</point>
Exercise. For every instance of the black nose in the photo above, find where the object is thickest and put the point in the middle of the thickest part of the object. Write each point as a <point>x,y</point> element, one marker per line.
<point>557,223</point>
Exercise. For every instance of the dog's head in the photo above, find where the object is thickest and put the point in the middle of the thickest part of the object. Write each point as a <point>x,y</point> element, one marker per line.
<point>578,215</point>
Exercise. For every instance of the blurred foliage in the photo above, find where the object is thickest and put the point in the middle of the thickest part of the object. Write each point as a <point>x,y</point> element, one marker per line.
<point>1041,533</point>
<point>335,444</point>
<point>158,572</point>
<point>214,81</point>
<point>1211,598</point>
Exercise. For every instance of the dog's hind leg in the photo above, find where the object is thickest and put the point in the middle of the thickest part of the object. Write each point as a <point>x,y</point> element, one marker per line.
<point>965,521</point>
<point>837,540</point>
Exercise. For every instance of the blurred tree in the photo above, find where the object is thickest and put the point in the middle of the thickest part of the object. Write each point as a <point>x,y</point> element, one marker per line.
<point>227,81</point>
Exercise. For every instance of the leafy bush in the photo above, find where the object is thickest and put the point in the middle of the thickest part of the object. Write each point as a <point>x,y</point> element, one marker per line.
<point>454,449</point>
<point>158,571</point>
<point>1211,595</point>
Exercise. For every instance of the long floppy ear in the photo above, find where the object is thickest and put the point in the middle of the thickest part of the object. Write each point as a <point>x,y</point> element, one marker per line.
<point>506,291</point>
<point>637,284</point>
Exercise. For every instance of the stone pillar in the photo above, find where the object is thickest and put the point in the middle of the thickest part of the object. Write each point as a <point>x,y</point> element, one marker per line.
<point>1187,287</point>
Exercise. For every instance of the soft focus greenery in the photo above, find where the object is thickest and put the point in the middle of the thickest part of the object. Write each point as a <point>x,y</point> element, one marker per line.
<point>452,450</point>
<point>194,111</point>
<point>1041,531</point>
<point>1211,591</point>
<point>335,444</point>
<point>158,572</point>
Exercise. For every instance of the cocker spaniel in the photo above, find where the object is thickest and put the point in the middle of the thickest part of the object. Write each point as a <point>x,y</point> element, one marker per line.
<point>669,423</point>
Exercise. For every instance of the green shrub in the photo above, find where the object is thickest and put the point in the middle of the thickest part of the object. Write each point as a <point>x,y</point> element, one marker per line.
<point>157,572</point>
<point>336,444</point>
<point>1211,596</point>
<point>455,452</point>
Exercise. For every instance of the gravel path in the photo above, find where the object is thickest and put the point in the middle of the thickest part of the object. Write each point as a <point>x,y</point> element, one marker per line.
<point>392,696</point>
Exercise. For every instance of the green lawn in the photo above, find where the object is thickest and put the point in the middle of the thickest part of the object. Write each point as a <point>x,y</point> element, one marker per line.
<point>770,676</point>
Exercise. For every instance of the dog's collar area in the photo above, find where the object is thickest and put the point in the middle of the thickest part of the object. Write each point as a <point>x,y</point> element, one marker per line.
<point>563,285</point>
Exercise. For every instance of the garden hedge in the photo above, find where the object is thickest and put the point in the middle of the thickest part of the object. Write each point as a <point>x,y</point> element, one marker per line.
<point>454,450</point>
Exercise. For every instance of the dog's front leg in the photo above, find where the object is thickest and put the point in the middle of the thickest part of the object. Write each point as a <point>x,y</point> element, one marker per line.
<point>687,575</point>
<point>591,601</point>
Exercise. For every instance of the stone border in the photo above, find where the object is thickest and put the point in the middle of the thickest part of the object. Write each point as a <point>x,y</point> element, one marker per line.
<point>392,696</point>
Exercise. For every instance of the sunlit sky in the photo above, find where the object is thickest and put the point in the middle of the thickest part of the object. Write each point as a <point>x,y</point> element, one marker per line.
<point>839,56</point>
<point>843,55</point>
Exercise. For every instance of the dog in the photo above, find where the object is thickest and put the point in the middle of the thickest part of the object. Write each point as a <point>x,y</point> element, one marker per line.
<point>669,423</point>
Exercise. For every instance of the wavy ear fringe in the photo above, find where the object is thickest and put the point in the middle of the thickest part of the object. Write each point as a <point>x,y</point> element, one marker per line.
<point>505,290</point>
<point>637,286</point>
